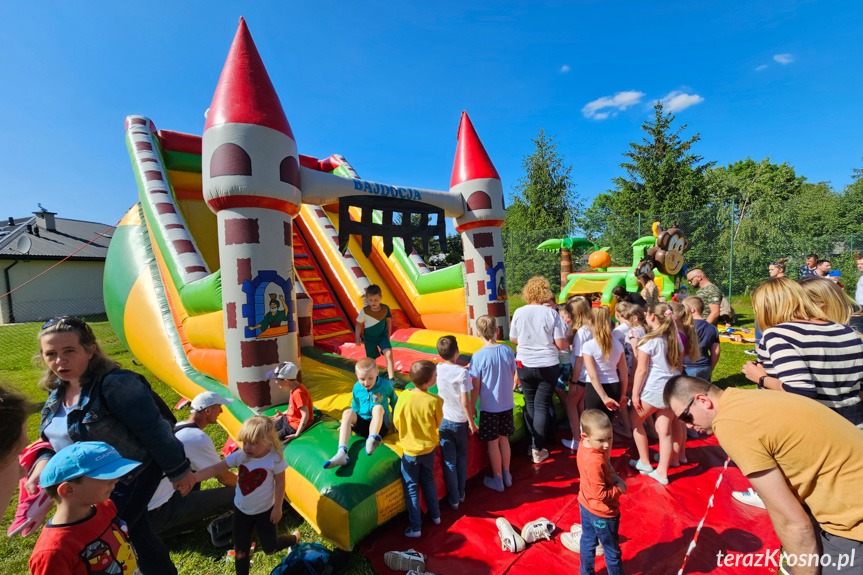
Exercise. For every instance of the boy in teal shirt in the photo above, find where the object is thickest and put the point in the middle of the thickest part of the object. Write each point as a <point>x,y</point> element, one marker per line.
<point>369,415</point>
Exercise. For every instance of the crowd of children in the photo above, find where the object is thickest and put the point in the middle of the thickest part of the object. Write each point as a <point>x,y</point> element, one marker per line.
<point>603,361</point>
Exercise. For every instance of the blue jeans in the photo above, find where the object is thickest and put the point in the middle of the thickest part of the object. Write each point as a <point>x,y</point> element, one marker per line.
<point>604,530</point>
<point>419,470</point>
<point>698,371</point>
<point>453,447</point>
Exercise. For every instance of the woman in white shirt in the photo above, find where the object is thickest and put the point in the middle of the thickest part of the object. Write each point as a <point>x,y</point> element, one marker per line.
<point>539,333</point>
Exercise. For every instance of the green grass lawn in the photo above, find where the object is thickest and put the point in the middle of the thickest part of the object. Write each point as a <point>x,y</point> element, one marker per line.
<point>194,554</point>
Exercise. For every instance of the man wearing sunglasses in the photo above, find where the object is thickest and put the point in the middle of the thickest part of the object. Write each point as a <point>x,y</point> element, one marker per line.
<point>797,454</point>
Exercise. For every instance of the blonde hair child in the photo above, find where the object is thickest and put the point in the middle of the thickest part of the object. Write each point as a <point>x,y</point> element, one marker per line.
<point>633,316</point>
<point>692,350</point>
<point>659,358</point>
<point>260,490</point>
<point>606,364</point>
<point>579,312</point>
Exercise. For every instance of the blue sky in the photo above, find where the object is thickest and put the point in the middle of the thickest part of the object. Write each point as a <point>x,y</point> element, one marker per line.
<point>384,84</point>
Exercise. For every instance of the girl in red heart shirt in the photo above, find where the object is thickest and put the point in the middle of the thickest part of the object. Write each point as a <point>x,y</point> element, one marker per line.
<point>260,490</point>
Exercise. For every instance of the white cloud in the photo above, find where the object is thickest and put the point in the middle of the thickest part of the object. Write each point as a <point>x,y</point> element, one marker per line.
<point>565,68</point>
<point>761,67</point>
<point>612,104</point>
<point>784,58</point>
<point>676,101</point>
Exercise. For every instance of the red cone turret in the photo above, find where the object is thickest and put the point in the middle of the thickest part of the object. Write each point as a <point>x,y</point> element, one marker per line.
<point>471,160</point>
<point>245,94</point>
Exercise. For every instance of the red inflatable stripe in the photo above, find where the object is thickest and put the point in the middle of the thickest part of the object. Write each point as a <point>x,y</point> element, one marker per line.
<point>179,142</point>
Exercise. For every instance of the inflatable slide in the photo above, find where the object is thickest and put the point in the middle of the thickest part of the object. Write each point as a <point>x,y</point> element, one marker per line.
<point>242,253</point>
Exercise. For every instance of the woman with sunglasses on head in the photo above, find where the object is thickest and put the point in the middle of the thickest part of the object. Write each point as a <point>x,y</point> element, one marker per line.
<point>92,399</point>
<point>803,352</point>
<point>776,269</point>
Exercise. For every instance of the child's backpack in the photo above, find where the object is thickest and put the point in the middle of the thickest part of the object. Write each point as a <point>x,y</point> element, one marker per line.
<point>305,559</point>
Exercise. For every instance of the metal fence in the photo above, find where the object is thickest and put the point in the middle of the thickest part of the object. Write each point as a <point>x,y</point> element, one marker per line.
<point>734,254</point>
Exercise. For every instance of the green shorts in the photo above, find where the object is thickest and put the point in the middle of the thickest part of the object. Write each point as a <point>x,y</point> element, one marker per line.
<point>372,347</point>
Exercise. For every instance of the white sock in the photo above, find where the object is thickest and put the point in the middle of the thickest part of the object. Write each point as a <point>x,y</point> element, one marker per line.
<point>372,443</point>
<point>341,458</point>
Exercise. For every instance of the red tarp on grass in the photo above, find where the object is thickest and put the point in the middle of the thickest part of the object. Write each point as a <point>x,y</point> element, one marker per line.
<point>657,522</point>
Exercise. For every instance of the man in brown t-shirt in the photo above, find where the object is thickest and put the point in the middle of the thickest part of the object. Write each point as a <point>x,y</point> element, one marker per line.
<point>797,454</point>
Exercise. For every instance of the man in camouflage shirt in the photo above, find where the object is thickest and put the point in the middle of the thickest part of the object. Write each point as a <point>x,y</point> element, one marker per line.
<point>720,310</point>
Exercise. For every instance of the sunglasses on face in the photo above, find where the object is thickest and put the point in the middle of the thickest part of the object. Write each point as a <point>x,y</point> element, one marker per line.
<point>685,416</point>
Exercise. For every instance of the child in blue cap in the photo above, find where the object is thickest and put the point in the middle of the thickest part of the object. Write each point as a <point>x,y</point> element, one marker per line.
<point>85,535</point>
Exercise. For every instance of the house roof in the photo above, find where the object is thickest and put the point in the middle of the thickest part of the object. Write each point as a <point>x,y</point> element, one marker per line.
<point>68,237</point>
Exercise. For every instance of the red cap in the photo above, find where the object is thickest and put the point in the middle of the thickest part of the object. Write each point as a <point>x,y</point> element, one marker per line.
<point>245,94</point>
<point>471,160</point>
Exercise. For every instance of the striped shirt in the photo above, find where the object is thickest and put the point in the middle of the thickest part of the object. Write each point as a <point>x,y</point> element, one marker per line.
<point>820,361</point>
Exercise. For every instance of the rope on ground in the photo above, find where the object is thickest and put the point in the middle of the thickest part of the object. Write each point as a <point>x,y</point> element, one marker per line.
<point>61,261</point>
<point>706,511</point>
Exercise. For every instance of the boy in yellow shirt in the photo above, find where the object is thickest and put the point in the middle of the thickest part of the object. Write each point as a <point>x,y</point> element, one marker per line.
<point>418,416</point>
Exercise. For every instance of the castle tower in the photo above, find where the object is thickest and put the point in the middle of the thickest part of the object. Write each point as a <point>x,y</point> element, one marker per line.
<point>476,180</point>
<point>251,180</point>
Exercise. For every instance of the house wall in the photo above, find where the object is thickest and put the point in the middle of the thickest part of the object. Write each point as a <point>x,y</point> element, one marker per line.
<point>72,288</point>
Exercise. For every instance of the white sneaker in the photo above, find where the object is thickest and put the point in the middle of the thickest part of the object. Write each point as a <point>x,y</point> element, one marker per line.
<point>571,444</point>
<point>539,456</point>
<point>509,539</point>
<point>542,528</point>
<point>642,467</point>
<point>572,540</point>
<point>405,560</point>
<point>749,498</point>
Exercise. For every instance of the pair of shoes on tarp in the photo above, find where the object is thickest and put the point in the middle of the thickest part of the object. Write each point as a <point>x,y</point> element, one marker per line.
<point>512,541</point>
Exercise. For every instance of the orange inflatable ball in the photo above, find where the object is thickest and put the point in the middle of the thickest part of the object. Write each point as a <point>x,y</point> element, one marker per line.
<point>599,260</point>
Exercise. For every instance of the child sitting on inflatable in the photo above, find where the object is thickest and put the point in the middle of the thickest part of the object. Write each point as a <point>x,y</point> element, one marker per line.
<point>376,323</point>
<point>369,415</point>
<point>298,417</point>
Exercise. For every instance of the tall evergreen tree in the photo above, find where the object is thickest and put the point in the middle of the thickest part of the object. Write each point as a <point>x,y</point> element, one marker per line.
<point>543,205</point>
<point>545,196</point>
<point>662,173</point>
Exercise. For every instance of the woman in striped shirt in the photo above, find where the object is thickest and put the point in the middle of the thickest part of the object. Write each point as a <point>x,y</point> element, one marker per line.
<point>804,353</point>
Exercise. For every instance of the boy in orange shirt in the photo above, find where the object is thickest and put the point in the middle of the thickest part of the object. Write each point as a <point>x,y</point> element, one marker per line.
<point>598,495</point>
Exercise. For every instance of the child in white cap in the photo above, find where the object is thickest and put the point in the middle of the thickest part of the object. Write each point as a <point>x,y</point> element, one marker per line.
<point>291,423</point>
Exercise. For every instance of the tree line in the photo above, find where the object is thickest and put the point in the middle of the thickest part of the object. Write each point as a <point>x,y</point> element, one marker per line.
<point>759,209</point>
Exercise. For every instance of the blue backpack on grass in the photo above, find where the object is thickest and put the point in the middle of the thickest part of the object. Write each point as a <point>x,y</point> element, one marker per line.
<point>305,559</point>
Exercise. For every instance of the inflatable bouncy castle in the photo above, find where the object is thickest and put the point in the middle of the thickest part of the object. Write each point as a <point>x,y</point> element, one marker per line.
<point>242,254</point>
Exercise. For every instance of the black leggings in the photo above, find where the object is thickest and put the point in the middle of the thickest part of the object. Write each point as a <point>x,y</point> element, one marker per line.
<point>592,400</point>
<point>267,533</point>
<point>537,384</point>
